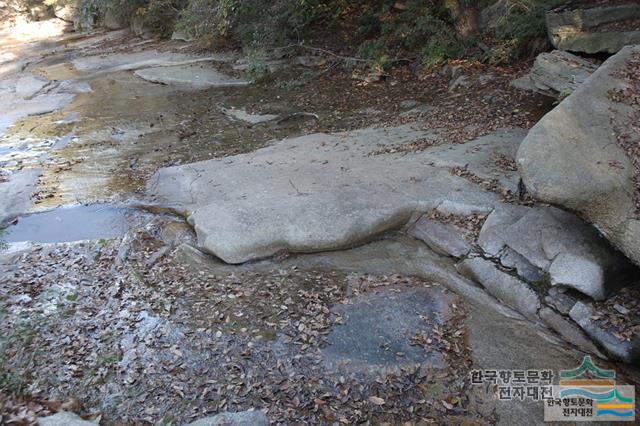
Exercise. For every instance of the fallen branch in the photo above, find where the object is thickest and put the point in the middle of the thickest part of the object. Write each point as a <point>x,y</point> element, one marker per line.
<point>338,56</point>
<point>298,114</point>
<point>335,55</point>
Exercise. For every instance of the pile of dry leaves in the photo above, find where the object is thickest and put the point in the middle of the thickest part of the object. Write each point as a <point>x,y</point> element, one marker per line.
<point>620,314</point>
<point>155,340</point>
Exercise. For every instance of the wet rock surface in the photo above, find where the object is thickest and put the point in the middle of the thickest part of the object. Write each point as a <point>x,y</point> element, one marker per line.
<point>391,330</point>
<point>75,223</point>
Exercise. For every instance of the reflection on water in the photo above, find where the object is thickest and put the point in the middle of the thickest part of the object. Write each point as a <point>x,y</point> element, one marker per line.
<point>75,223</point>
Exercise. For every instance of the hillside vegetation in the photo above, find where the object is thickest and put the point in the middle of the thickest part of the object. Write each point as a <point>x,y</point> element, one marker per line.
<point>381,32</point>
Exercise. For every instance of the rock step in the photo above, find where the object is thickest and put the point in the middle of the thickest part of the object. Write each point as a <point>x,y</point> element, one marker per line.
<point>594,30</point>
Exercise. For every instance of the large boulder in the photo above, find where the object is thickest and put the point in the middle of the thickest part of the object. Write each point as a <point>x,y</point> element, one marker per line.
<point>571,158</point>
<point>603,28</point>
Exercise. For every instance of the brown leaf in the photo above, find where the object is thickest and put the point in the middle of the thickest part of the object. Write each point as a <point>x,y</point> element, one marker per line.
<point>376,400</point>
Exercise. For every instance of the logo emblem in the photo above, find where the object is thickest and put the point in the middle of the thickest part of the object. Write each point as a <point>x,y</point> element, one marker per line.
<point>590,393</point>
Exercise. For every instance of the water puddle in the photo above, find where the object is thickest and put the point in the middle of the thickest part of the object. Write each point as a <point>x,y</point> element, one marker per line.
<point>75,223</point>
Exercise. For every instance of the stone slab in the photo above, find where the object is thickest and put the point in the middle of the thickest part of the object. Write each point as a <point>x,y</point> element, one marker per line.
<point>577,29</point>
<point>443,238</point>
<point>555,73</point>
<point>507,288</point>
<point>241,418</point>
<point>196,76</point>
<point>325,191</point>
<point>64,418</point>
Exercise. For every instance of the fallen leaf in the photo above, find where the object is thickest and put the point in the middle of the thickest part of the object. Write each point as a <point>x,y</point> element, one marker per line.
<point>376,400</point>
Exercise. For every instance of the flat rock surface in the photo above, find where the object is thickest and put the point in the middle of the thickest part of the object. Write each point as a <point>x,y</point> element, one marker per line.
<point>194,75</point>
<point>305,194</point>
<point>22,97</point>
<point>571,157</point>
<point>64,418</point>
<point>142,59</point>
<point>497,344</point>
